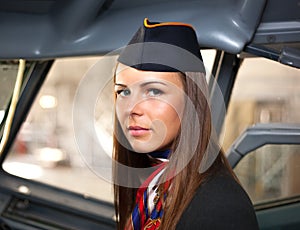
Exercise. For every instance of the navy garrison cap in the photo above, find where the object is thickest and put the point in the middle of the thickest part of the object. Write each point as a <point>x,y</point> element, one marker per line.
<point>163,47</point>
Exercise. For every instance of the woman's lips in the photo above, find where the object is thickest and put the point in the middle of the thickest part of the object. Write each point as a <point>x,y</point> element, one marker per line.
<point>137,131</point>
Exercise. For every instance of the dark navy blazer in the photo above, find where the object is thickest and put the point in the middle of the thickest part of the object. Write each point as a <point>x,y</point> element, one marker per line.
<point>219,203</point>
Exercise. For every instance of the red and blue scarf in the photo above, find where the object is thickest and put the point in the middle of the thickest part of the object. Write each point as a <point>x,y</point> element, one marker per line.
<point>148,210</point>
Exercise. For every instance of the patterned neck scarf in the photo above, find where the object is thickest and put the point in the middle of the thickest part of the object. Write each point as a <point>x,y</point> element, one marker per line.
<point>148,211</point>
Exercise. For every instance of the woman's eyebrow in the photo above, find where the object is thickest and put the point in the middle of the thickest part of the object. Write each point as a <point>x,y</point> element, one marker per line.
<point>119,84</point>
<point>152,82</point>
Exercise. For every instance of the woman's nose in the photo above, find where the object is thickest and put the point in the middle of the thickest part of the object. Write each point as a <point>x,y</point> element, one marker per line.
<point>130,106</point>
<point>136,108</point>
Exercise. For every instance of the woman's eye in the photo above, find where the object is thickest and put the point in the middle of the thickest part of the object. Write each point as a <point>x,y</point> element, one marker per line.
<point>123,92</point>
<point>154,92</point>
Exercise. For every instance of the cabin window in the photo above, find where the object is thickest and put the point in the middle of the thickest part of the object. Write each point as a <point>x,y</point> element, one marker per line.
<point>265,92</point>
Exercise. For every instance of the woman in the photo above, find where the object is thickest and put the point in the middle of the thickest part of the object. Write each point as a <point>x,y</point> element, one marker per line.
<point>169,170</point>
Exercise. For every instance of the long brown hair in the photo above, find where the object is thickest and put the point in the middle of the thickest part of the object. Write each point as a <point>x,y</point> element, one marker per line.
<point>192,149</point>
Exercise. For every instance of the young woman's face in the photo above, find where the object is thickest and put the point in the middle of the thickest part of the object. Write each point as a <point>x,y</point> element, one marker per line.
<point>149,106</point>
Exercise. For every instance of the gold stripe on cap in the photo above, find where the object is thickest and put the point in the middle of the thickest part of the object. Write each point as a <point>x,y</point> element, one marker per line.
<point>146,23</point>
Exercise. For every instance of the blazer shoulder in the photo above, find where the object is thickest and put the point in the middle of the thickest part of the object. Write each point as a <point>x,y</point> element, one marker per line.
<point>219,203</point>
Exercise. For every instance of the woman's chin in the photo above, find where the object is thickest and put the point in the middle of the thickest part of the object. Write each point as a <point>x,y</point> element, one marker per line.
<point>145,146</point>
